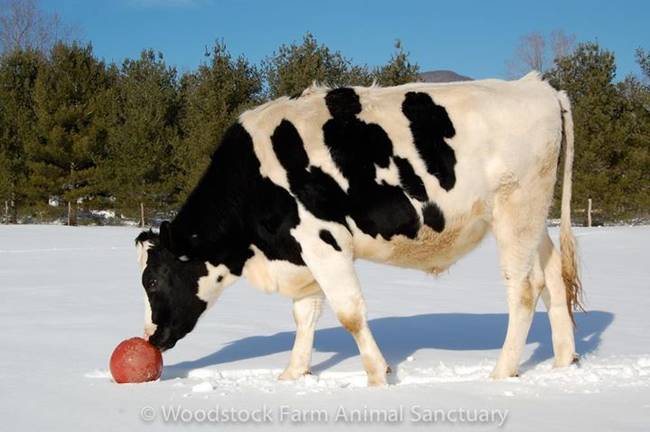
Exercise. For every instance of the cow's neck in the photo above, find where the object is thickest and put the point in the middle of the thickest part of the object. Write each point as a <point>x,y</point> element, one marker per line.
<point>212,224</point>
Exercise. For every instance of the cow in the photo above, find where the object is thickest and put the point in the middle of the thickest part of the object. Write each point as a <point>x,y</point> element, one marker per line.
<point>413,175</point>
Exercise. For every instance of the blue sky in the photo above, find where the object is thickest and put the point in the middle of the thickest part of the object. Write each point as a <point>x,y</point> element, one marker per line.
<point>474,38</point>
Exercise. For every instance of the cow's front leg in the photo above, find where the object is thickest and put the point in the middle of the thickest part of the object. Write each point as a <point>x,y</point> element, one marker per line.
<point>328,254</point>
<point>306,311</point>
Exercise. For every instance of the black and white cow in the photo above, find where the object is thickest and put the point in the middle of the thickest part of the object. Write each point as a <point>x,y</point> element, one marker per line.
<point>413,176</point>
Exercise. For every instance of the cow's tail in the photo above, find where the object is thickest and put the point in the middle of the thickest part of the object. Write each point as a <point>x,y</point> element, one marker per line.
<point>567,240</point>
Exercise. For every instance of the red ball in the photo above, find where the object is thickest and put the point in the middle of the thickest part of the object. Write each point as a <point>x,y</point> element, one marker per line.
<point>135,361</point>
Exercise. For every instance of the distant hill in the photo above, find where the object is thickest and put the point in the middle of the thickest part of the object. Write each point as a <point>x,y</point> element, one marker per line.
<point>441,76</point>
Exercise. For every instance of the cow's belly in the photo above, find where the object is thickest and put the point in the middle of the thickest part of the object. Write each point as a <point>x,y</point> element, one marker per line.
<point>278,276</point>
<point>429,251</point>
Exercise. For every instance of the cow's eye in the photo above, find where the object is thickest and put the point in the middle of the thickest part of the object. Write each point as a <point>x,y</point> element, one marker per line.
<point>153,283</point>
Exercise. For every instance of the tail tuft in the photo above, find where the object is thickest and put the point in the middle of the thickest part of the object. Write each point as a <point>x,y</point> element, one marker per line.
<point>570,275</point>
<point>568,252</point>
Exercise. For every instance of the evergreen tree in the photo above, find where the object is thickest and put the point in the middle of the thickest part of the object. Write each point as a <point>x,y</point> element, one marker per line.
<point>212,97</point>
<point>5,183</point>
<point>63,158</point>
<point>398,70</point>
<point>18,72</point>
<point>295,67</point>
<point>607,133</point>
<point>633,171</point>
<point>140,110</point>
<point>643,58</point>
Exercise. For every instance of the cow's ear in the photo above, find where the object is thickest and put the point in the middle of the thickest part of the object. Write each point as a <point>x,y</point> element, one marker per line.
<point>166,235</point>
<point>147,236</point>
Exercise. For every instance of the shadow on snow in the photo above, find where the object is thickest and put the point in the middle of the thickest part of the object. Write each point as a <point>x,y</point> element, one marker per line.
<point>400,337</point>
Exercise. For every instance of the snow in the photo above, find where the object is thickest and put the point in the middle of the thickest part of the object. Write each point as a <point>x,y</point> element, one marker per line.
<point>69,295</point>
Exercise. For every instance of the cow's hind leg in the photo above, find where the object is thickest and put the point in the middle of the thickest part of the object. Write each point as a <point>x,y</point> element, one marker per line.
<point>518,224</point>
<point>330,259</point>
<point>306,311</point>
<point>554,297</point>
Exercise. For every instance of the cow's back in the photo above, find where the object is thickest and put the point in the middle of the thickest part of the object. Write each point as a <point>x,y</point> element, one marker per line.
<point>413,168</point>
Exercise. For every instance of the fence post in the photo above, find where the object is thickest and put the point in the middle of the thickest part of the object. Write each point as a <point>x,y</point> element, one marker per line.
<point>72,213</point>
<point>589,212</point>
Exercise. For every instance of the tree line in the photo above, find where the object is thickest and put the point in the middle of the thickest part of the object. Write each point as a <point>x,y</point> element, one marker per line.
<point>135,137</point>
<point>612,129</point>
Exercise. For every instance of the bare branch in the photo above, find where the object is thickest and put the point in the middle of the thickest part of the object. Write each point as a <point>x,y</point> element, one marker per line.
<point>532,52</point>
<point>529,55</point>
<point>24,25</point>
<point>561,44</point>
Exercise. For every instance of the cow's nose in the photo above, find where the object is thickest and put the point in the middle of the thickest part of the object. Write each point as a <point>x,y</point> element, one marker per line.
<point>148,331</point>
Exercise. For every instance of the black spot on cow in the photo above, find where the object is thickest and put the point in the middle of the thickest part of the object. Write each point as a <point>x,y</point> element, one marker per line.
<point>343,102</point>
<point>234,207</point>
<point>231,209</point>
<point>317,191</point>
<point>410,181</point>
<point>328,238</point>
<point>430,125</point>
<point>358,148</point>
<point>147,236</point>
<point>289,148</point>
<point>433,217</point>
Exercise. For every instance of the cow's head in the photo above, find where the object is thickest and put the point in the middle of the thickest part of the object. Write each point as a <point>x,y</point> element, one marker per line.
<point>177,289</point>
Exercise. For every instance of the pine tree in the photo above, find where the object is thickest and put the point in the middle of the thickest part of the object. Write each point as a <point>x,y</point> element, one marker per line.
<point>140,111</point>
<point>63,158</point>
<point>633,171</point>
<point>142,119</point>
<point>18,72</point>
<point>643,59</point>
<point>607,133</point>
<point>295,67</point>
<point>398,70</point>
<point>212,97</point>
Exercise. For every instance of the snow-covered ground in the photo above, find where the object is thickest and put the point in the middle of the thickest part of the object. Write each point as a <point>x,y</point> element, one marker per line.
<point>69,295</point>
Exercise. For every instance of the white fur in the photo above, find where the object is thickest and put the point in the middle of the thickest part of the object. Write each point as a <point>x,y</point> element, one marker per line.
<point>283,277</point>
<point>149,326</point>
<point>141,249</point>
<point>306,311</point>
<point>210,287</point>
<point>389,175</point>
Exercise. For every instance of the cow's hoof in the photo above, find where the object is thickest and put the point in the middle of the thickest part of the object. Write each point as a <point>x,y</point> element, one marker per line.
<point>293,374</point>
<point>500,374</point>
<point>377,381</point>
<point>567,361</point>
